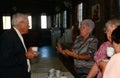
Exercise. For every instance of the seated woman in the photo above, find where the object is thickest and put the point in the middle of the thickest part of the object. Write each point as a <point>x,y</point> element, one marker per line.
<point>83,49</point>
<point>112,69</point>
<point>99,65</point>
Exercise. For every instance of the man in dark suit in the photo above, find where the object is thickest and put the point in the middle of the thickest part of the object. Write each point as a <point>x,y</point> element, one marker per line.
<point>14,56</point>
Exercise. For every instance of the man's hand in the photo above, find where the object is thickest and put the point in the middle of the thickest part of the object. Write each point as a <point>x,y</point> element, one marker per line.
<point>31,54</point>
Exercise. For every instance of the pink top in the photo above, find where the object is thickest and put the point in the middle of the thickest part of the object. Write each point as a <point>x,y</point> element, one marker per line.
<point>112,69</point>
<point>101,54</point>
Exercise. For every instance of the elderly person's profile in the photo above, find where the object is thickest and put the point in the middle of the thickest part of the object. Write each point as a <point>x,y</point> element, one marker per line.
<point>83,49</point>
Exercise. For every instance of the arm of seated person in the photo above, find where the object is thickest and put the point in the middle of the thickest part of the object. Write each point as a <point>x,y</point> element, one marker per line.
<point>71,53</point>
<point>60,50</point>
<point>77,56</point>
<point>84,56</point>
<point>102,65</point>
<point>93,71</point>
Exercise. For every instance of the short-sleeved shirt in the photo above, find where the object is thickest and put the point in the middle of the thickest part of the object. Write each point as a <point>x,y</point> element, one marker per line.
<point>88,47</point>
<point>100,55</point>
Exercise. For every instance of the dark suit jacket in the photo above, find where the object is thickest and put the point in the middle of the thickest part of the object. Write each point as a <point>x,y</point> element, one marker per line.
<point>13,62</point>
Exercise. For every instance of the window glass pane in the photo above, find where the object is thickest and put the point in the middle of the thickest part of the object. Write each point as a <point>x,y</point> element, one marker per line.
<point>118,5</point>
<point>43,21</point>
<point>80,13</point>
<point>65,19</point>
<point>57,18</point>
<point>6,22</point>
<point>30,22</point>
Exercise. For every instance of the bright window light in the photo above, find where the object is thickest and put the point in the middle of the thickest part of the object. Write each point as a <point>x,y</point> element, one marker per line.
<point>6,22</point>
<point>30,22</point>
<point>43,22</point>
<point>65,19</point>
<point>80,13</point>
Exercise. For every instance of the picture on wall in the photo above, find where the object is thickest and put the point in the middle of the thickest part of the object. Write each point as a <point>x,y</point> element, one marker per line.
<point>96,12</point>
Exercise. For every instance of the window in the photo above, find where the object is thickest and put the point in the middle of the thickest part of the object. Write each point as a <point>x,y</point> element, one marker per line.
<point>119,6</point>
<point>6,22</point>
<point>80,11</point>
<point>57,20</point>
<point>30,21</point>
<point>43,22</point>
<point>65,19</point>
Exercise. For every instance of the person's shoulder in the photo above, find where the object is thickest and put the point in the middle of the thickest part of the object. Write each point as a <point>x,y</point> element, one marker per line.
<point>92,37</point>
<point>106,43</point>
<point>79,36</point>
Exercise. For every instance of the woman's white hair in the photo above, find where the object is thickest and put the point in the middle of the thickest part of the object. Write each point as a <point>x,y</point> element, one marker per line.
<point>17,18</point>
<point>111,22</point>
<point>89,23</point>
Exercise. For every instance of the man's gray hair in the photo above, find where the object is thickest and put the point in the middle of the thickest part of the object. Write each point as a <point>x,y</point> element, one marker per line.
<point>17,18</point>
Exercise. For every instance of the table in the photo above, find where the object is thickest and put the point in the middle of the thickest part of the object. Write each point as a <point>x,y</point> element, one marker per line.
<point>45,75</point>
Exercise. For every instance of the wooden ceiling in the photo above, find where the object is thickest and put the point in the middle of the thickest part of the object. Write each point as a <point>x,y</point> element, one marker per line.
<point>30,5</point>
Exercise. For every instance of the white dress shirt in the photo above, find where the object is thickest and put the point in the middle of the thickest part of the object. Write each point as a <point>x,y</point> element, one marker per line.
<point>21,38</point>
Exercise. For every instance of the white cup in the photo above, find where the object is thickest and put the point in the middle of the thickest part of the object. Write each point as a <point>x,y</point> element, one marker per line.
<point>57,73</point>
<point>35,48</point>
<point>110,51</point>
<point>52,72</point>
